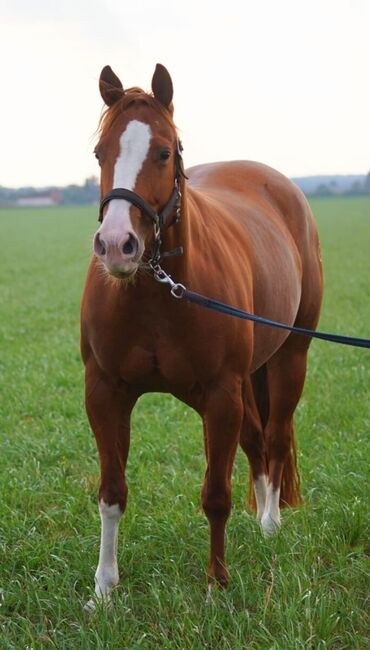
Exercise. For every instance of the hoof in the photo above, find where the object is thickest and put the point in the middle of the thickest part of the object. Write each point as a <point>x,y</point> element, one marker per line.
<point>209,596</point>
<point>220,582</point>
<point>269,525</point>
<point>90,607</point>
<point>94,604</point>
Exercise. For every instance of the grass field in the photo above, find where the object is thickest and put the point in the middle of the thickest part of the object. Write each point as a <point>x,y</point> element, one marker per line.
<point>305,588</point>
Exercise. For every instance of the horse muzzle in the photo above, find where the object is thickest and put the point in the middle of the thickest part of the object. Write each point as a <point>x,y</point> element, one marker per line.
<point>120,255</point>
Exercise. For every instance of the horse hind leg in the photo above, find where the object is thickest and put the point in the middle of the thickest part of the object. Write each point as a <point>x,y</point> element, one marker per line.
<point>286,372</point>
<point>252,441</point>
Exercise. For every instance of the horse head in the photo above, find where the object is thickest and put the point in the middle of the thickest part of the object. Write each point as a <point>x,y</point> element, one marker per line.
<point>137,153</point>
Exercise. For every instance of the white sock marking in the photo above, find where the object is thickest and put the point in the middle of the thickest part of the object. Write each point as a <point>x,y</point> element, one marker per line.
<point>107,576</point>
<point>270,521</point>
<point>134,147</point>
<point>260,487</point>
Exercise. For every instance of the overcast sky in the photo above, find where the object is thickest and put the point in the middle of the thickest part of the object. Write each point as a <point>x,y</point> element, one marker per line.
<point>285,82</point>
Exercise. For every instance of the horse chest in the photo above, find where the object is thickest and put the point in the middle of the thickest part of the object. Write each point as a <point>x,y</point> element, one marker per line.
<point>157,364</point>
<point>164,349</point>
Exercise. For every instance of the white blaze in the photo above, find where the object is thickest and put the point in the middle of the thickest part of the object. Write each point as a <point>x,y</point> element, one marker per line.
<point>134,147</point>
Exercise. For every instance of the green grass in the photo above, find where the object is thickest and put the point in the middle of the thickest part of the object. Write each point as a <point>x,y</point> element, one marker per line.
<point>305,588</point>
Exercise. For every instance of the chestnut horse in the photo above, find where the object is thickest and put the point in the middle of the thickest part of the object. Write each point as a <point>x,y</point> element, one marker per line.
<point>239,232</point>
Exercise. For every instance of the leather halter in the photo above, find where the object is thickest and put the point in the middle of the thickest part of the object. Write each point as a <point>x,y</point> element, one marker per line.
<point>159,219</point>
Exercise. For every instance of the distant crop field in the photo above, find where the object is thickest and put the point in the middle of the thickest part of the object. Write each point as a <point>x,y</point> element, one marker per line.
<point>305,588</point>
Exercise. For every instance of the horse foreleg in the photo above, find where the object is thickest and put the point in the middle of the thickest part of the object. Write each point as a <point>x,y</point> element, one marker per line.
<point>222,421</point>
<point>109,409</point>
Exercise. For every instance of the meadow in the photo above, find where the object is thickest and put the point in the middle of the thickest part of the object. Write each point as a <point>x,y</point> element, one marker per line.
<point>307,587</point>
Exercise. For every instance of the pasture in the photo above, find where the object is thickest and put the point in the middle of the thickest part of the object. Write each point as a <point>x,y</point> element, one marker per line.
<point>305,588</point>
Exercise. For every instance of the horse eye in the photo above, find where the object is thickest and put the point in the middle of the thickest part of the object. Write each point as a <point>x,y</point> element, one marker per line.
<point>97,156</point>
<point>164,154</point>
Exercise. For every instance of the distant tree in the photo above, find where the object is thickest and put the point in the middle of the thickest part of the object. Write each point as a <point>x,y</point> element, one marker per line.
<point>367,183</point>
<point>356,188</point>
<point>79,194</point>
<point>323,190</point>
<point>91,181</point>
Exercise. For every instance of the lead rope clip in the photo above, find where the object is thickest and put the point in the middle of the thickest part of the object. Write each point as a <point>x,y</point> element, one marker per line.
<point>177,289</point>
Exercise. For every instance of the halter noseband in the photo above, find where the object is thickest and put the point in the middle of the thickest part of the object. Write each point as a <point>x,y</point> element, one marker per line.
<point>159,219</point>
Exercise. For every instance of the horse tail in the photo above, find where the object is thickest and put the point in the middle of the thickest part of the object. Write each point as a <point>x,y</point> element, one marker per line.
<point>290,490</point>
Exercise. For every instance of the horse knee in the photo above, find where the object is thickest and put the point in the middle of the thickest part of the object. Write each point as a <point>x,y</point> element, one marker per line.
<point>216,503</point>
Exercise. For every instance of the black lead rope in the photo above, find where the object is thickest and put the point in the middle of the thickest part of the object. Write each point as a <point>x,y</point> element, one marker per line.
<point>209,303</point>
<point>179,291</point>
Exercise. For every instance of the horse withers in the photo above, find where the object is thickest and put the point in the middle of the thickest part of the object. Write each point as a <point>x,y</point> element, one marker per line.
<point>239,232</point>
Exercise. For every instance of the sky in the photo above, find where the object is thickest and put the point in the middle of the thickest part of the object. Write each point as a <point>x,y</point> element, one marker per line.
<point>284,82</point>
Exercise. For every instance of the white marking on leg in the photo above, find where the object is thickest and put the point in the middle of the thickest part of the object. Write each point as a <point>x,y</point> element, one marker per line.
<point>107,576</point>
<point>134,148</point>
<point>209,596</point>
<point>260,488</point>
<point>270,521</point>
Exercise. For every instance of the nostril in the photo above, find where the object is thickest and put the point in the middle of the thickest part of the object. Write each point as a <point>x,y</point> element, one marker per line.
<point>130,247</point>
<point>99,246</point>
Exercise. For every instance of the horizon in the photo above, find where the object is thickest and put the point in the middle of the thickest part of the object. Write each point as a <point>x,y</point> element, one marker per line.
<point>81,183</point>
<point>282,89</point>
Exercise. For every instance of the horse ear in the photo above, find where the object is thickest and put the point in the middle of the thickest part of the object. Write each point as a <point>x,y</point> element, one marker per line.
<point>162,86</point>
<point>110,86</point>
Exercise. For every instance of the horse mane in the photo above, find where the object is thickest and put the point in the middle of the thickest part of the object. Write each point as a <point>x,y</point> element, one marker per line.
<point>129,97</point>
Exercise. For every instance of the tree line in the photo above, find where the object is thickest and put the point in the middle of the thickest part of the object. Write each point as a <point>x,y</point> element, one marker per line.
<point>74,194</point>
<point>89,191</point>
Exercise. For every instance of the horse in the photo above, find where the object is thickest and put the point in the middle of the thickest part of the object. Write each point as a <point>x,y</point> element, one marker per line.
<point>239,232</point>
